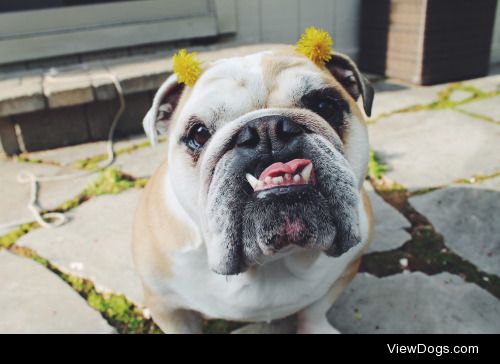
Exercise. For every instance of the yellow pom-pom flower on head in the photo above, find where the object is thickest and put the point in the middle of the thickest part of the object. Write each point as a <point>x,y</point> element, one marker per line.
<point>186,67</point>
<point>316,44</point>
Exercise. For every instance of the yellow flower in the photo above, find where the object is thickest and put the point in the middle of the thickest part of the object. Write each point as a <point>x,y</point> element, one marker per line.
<point>315,44</point>
<point>186,67</point>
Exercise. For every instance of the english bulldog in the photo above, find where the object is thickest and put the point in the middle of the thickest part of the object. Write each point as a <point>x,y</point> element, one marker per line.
<point>259,210</point>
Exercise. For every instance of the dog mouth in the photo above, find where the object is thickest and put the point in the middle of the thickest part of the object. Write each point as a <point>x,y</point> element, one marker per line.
<point>295,173</point>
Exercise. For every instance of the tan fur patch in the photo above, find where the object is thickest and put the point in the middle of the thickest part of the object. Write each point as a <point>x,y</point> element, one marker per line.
<point>157,231</point>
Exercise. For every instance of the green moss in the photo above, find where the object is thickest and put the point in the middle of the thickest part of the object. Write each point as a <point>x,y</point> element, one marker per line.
<point>25,158</point>
<point>9,239</point>
<point>444,101</point>
<point>92,163</point>
<point>110,181</point>
<point>376,168</point>
<point>426,250</point>
<point>478,116</point>
<point>478,178</point>
<point>119,312</point>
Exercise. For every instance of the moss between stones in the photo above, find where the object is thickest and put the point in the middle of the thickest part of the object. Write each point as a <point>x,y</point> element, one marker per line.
<point>426,251</point>
<point>477,178</point>
<point>113,181</point>
<point>92,163</point>
<point>109,181</point>
<point>444,101</point>
<point>117,310</point>
<point>9,239</point>
<point>120,313</point>
<point>466,181</point>
<point>477,116</point>
<point>25,158</point>
<point>376,168</point>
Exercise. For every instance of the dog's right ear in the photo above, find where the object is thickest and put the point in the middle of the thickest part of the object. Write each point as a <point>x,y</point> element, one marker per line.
<point>164,104</point>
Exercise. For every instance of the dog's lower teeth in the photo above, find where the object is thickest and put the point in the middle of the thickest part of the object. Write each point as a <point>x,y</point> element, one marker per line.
<point>296,178</point>
<point>267,180</point>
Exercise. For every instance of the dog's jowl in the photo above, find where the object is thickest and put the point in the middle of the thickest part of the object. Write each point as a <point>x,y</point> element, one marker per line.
<point>258,211</point>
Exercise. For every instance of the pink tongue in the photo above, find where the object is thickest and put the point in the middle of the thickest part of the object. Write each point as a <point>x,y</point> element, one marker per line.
<point>279,169</point>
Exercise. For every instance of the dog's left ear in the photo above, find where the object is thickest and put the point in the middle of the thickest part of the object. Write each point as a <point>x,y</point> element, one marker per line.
<point>162,110</point>
<point>349,76</point>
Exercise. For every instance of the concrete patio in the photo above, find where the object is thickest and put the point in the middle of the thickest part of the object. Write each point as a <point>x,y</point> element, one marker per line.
<point>433,267</point>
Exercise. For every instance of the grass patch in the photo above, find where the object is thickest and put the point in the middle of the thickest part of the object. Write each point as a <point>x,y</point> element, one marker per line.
<point>117,310</point>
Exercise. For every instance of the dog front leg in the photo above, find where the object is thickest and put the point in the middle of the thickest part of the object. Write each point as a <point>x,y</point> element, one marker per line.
<point>173,320</point>
<point>312,319</point>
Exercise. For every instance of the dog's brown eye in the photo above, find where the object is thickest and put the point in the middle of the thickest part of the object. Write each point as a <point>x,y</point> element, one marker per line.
<point>325,108</point>
<point>198,136</point>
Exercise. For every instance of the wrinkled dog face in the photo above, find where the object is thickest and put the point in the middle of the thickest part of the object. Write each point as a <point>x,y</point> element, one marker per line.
<point>267,152</point>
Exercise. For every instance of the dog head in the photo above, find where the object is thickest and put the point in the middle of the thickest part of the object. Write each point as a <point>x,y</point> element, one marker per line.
<point>267,153</point>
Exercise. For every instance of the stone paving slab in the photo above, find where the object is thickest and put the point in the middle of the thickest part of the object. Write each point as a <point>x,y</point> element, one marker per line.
<point>431,148</point>
<point>71,154</point>
<point>68,88</point>
<point>389,230</point>
<point>21,94</point>
<point>486,84</point>
<point>390,96</point>
<point>487,107</point>
<point>34,300</point>
<point>15,196</point>
<point>95,244</point>
<point>415,303</point>
<point>142,162</point>
<point>468,217</point>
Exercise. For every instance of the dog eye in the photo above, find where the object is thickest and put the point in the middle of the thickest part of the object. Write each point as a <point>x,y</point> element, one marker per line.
<point>325,108</point>
<point>198,136</point>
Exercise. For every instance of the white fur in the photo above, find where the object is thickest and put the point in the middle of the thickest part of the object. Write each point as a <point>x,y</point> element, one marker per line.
<point>281,286</point>
<point>272,291</point>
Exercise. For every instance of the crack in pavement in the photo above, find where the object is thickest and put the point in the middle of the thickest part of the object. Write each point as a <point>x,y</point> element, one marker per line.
<point>426,251</point>
<point>444,102</point>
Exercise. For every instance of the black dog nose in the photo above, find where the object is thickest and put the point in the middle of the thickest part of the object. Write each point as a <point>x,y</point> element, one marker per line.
<point>273,131</point>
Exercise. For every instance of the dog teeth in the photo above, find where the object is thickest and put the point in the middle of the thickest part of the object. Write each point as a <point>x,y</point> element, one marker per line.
<point>306,172</point>
<point>277,180</point>
<point>285,179</point>
<point>252,180</point>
